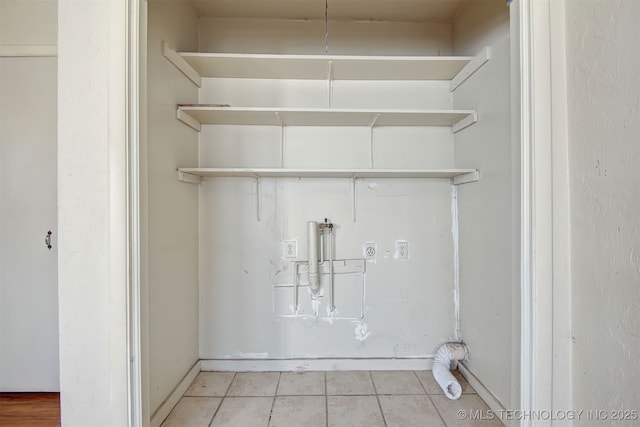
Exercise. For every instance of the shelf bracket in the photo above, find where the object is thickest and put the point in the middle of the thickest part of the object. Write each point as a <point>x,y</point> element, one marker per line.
<point>330,83</point>
<point>371,125</point>
<point>279,118</point>
<point>467,177</point>
<point>258,191</point>
<point>354,197</point>
<point>189,178</point>
<point>474,65</point>
<point>182,65</point>
<point>188,120</point>
<point>283,144</point>
<point>465,123</point>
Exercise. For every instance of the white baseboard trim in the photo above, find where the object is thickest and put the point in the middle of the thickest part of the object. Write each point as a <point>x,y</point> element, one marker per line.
<point>337,364</point>
<point>172,400</point>
<point>494,404</point>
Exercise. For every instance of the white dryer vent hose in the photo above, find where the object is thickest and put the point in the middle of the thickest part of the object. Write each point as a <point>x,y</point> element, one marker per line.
<point>442,364</point>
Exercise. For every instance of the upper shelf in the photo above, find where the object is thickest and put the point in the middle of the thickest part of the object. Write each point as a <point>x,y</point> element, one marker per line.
<point>196,115</point>
<point>319,67</point>
<point>329,67</point>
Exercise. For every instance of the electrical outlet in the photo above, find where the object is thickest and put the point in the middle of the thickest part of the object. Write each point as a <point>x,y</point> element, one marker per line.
<point>402,250</point>
<point>369,251</point>
<point>290,249</point>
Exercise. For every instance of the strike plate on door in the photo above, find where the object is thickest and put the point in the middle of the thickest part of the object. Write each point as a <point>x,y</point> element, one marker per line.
<point>47,239</point>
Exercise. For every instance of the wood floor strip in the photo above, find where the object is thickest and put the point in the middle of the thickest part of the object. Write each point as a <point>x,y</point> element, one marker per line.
<point>30,409</point>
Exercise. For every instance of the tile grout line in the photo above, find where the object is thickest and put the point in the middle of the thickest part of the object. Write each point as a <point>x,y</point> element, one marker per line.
<point>420,382</point>
<point>326,401</point>
<point>444,423</point>
<point>222,400</point>
<point>437,410</point>
<point>375,389</point>
<point>273,401</point>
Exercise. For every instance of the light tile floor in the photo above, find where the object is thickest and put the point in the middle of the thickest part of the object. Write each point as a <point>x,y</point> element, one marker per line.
<point>326,399</point>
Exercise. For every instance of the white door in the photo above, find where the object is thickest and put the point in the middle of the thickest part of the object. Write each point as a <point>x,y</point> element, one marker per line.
<point>28,210</point>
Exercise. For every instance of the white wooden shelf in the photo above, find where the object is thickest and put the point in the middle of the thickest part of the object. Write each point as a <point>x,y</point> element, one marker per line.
<point>195,116</point>
<point>197,65</point>
<point>319,67</point>
<point>195,176</point>
<point>456,174</point>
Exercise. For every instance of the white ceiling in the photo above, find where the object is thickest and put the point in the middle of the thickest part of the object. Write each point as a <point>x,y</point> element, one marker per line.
<point>388,10</point>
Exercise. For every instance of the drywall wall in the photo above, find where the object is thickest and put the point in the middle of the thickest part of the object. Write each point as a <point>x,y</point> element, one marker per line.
<point>246,293</point>
<point>478,24</point>
<point>488,220</point>
<point>28,209</point>
<point>245,35</point>
<point>172,206</point>
<point>92,214</point>
<point>604,151</point>
<point>399,308</point>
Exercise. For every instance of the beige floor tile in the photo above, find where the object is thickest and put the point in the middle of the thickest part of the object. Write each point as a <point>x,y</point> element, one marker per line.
<point>428,382</point>
<point>303,411</point>
<point>254,384</point>
<point>396,382</point>
<point>301,383</point>
<point>410,411</point>
<point>210,384</point>
<point>243,412</point>
<point>468,411</point>
<point>349,383</point>
<point>192,412</point>
<point>354,411</point>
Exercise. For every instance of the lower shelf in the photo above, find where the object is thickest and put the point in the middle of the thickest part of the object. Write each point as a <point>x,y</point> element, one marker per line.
<point>459,176</point>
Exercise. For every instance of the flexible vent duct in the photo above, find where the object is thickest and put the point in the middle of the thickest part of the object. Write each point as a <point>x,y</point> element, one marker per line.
<point>442,364</point>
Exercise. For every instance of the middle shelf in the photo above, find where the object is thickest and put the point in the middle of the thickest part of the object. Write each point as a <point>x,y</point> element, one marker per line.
<point>458,176</point>
<point>196,115</point>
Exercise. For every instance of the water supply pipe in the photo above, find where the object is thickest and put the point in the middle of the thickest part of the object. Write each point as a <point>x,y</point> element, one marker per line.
<point>332,304</point>
<point>312,241</point>
<point>451,351</point>
<point>327,227</point>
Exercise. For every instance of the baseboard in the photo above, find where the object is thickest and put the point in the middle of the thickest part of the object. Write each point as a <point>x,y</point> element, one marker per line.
<point>172,400</point>
<point>328,364</point>
<point>494,404</point>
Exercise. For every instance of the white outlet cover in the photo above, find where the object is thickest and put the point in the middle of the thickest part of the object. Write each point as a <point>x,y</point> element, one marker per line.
<point>401,250</point>
<point>289,249</point>
<point>369,251</point>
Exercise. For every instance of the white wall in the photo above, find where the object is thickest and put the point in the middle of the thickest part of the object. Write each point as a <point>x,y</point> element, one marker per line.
<point>172,222</point>
<point>92,213</point>
<point>604,151</point>
<point>408,305</point>
<point>488,220</point>
<point>244,35</point>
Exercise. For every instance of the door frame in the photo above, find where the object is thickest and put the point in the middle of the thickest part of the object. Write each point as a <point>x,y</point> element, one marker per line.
<point>544,381</point>
<point>545,363</point>
<point>135,82</point>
